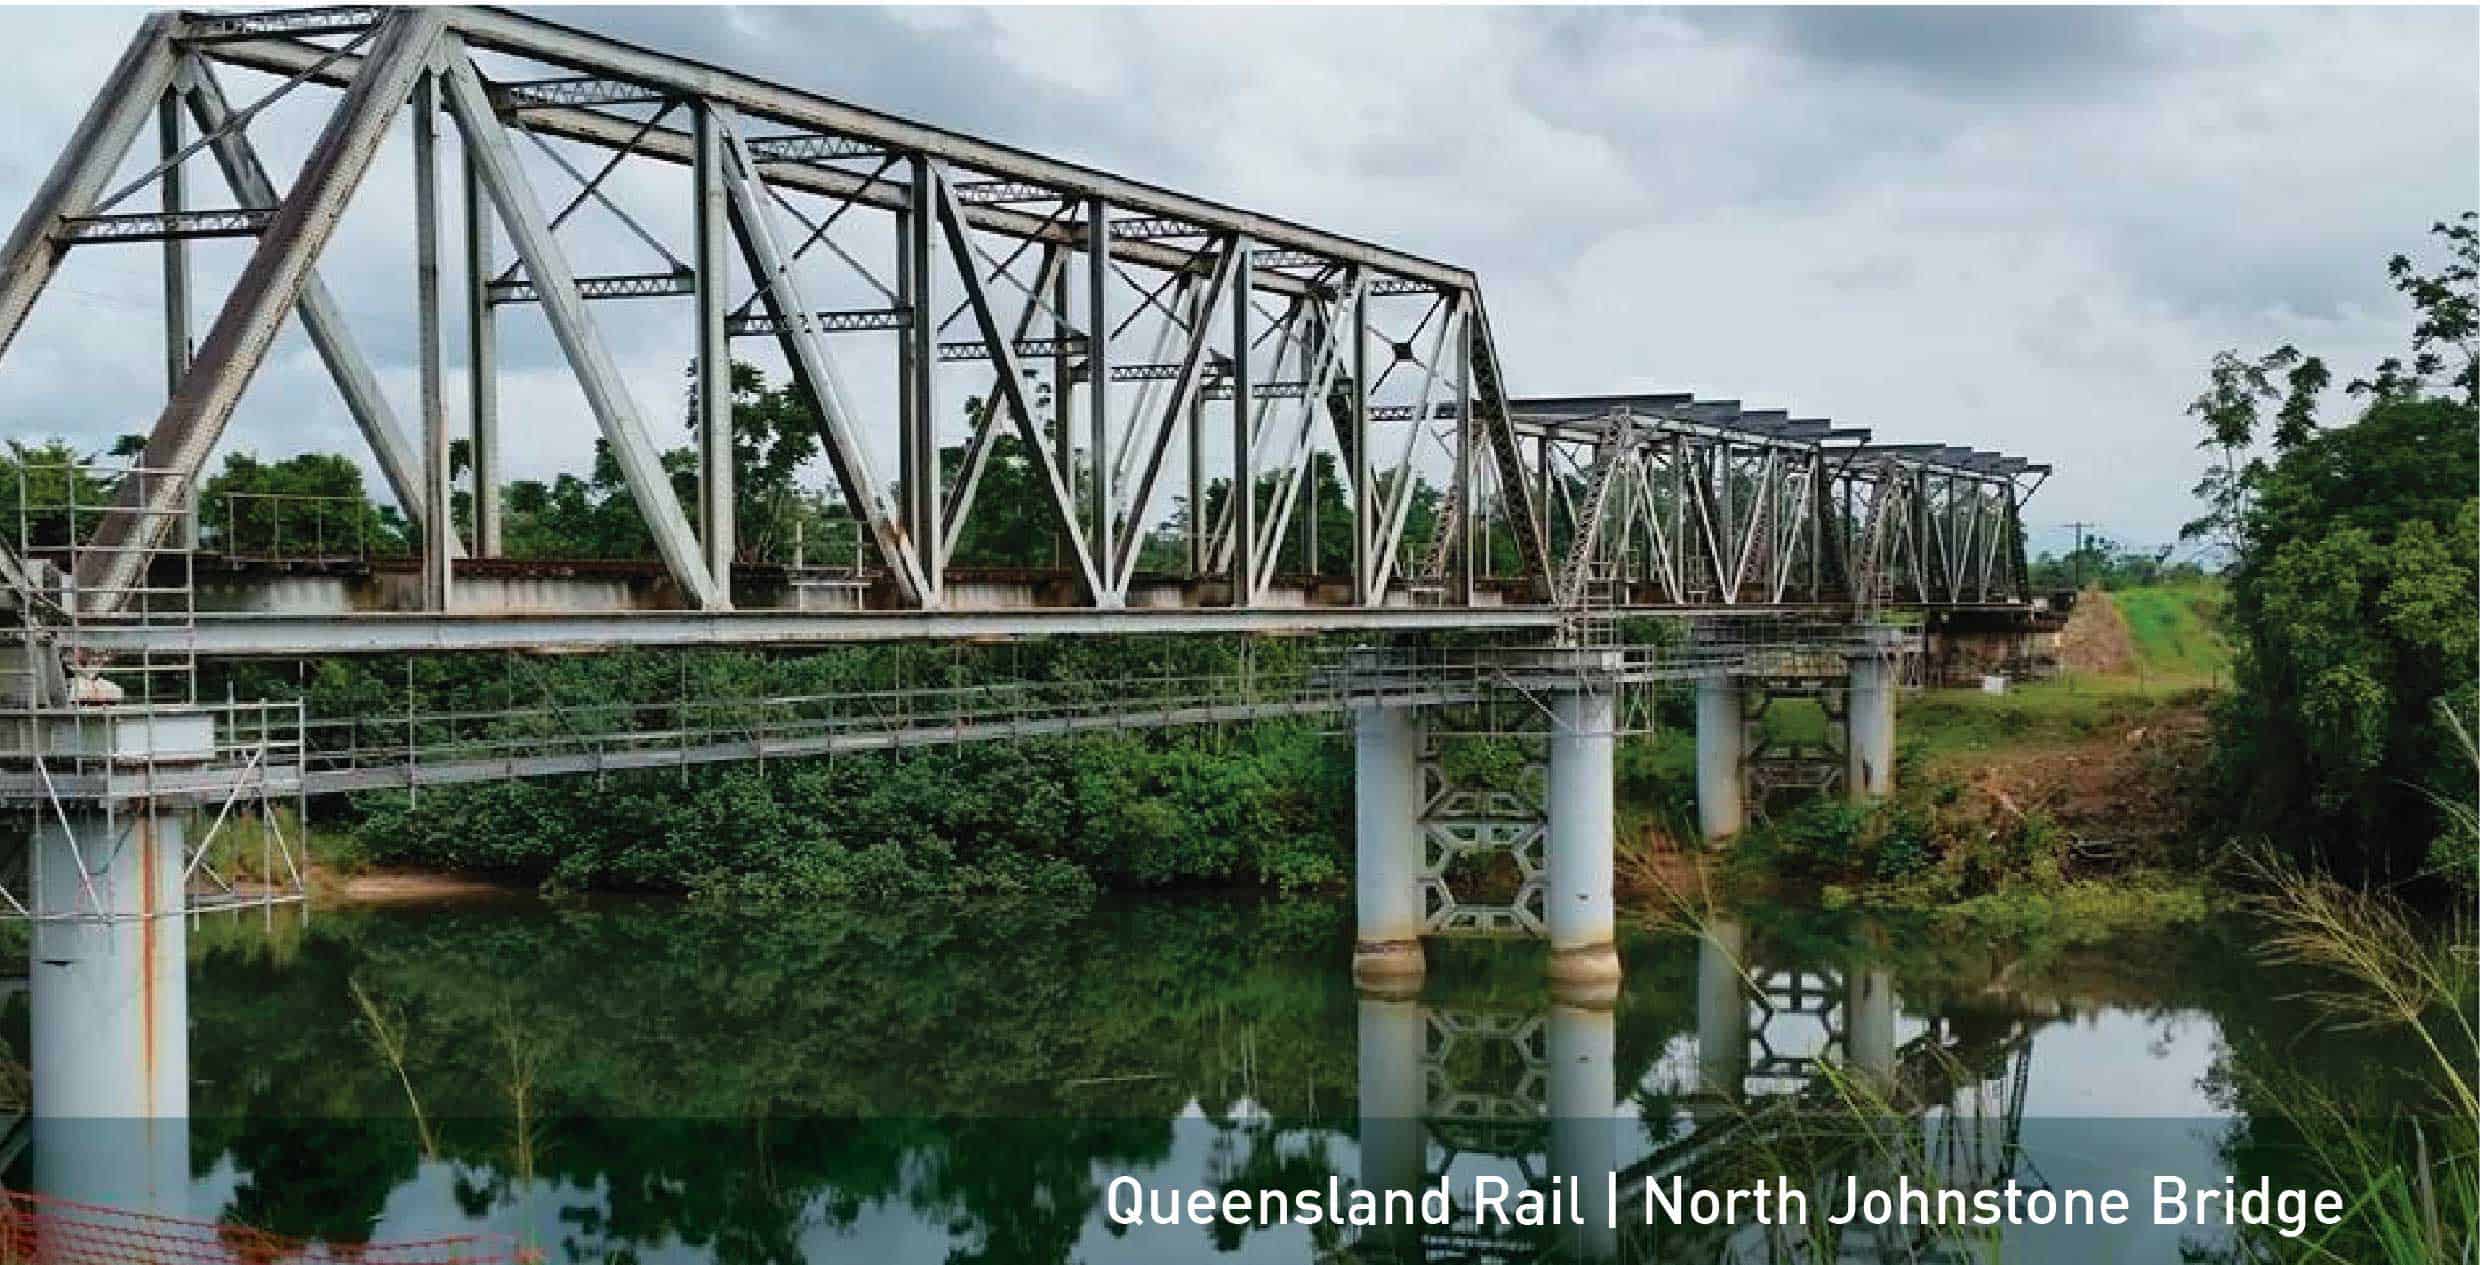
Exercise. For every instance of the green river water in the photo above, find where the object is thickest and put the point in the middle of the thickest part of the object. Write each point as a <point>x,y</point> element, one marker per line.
<point>646,1081</point>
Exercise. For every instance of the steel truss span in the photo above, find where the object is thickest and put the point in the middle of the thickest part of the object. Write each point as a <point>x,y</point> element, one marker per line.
<point>1144,349</point>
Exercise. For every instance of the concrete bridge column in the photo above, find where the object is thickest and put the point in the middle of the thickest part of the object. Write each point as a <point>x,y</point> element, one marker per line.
<point>1584,1137</point>
<point>1869,727</point>
<point>1583,832</point>
<point>1721,749</point>
<point>1394,1094</point>
<point>110,995</point>
<point>1387,791</point>
<point>1721,1010</point>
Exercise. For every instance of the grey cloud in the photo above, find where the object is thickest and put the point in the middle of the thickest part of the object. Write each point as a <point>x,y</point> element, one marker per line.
<point>2016,227</point>
<point>1977,54</point>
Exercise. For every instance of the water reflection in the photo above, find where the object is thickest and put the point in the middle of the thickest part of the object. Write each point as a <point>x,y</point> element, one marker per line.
<point>647,1083</point>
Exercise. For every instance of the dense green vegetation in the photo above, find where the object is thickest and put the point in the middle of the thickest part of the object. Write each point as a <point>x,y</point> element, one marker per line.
<point>2354,564</point>
<point>1265,804</point>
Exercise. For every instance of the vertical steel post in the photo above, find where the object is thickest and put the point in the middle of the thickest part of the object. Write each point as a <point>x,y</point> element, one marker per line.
<point>1364,497</point>
<point>437,487</point>
<point>717,503</point>
<point>1098,379</point>
<point>1243,517</point>
<point>176,249</point>
<point>176,283</point>
<point>481,364</point>
<point>1063,398</point>
<point>1545,515</point>
<point>909,339</point>
<point>1198,307</point>
<point>1466,571</point>
<point>921,444</point>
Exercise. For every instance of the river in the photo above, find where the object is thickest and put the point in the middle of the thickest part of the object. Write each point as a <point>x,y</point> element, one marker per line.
<point>646,1081</point>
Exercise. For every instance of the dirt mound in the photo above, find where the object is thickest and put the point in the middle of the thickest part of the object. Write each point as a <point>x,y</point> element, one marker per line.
<point>2113,793</point>
<point>2096,637</point>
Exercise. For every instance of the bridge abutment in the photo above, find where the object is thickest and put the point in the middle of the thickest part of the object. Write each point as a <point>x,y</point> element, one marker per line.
<point>1386,744</point>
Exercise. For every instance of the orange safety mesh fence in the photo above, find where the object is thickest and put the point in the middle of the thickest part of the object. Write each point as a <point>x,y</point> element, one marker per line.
<point>38,1230</point>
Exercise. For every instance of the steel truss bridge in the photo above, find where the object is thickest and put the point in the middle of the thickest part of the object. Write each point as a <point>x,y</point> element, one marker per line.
<point>1145,350</point>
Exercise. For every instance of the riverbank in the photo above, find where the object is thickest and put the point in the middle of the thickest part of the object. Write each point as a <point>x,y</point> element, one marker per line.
<point>2060,807</point>
<point>2071,790</point>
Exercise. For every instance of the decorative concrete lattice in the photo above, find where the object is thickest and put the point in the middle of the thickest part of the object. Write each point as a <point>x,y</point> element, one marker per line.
<point>1811,994</point>
<point>1461,823</point>
<point>1505,1115</point>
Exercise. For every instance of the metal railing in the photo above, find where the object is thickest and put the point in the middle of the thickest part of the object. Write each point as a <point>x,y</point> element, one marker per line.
<point>294,527</point>
<point>53,512</point>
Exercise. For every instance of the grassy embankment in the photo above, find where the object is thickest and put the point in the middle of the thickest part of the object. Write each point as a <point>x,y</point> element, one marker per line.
<point>2057,805</point>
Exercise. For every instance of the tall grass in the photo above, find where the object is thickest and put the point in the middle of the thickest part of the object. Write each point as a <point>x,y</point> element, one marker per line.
<point>2411,1171</point>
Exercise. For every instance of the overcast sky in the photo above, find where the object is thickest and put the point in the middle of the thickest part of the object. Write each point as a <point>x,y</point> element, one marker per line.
<point>2023,229</point>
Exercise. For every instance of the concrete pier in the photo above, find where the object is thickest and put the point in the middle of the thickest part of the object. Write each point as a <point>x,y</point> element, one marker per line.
<point>1869,727</point>
<point>110,996</point>
<point>1583,832</point>
<point>1721,749</point>
<point>1582,1043</point>
<point>1386,948</point>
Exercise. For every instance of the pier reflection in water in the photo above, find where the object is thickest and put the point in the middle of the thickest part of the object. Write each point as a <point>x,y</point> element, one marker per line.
<point>642,1082</point>
<point>1801,1073</point>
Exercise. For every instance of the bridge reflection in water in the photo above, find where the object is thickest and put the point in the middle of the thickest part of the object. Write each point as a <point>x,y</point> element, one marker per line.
<point>1802,1073</point>
<point>1729,1059</point>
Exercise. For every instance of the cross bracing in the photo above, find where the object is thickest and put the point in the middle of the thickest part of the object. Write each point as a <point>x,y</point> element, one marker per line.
<point>1146,352</point>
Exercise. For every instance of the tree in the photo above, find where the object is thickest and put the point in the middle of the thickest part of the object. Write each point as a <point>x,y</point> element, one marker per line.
<point>2448,303</point>
<point>2229,409</point>
<point>2355,563</point>
<point>311,505</point>
<point>1011,523</point>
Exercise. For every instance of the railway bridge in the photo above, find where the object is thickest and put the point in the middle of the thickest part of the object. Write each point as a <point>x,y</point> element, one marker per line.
<point>1195,392</point>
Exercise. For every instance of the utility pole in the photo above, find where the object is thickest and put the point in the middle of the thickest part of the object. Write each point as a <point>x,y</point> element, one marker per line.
<point>2077,558</point>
